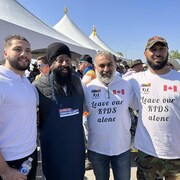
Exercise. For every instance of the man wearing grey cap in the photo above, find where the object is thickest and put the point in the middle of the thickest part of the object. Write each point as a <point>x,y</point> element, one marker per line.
<point>136,66</point>
<point>86,67</point>
<point>87,70</point>
<point>60,110</point>
<point>157,134</point>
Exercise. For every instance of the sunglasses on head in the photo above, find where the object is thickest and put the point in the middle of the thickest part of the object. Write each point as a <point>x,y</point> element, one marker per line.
<point>41,65</point>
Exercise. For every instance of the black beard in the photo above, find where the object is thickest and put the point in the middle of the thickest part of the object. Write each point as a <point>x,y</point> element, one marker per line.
<point>14,63</point>
<point>62,80</point>
<point>160,66</point>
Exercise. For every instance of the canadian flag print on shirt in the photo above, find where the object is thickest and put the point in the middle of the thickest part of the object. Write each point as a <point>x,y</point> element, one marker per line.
<point>118,91</point>
<point>170,88</point>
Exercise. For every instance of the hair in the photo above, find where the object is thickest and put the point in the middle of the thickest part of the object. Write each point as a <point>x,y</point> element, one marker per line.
<point>43,59</point>
<point>115,59</point>
<point>8,40</point>
<point>107,54</point>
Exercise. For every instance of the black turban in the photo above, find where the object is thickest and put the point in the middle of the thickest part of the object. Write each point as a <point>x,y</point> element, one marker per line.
<point>56,49</point>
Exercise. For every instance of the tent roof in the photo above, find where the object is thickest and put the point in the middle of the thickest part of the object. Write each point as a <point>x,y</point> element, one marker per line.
<point>15,19</point>
<point>101,43</point>
<point>69,28</point>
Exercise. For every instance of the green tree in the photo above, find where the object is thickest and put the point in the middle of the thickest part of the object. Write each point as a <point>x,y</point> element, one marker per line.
<point>174,54</point>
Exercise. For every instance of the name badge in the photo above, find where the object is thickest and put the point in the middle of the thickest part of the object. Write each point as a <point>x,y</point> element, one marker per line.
<point>68,112</point>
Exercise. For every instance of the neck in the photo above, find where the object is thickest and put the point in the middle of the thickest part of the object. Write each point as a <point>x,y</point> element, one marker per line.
<point>164,70</point>
<point>21,73</point>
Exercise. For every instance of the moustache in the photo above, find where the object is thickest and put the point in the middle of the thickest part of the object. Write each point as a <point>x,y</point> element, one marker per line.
<point>65,68</point>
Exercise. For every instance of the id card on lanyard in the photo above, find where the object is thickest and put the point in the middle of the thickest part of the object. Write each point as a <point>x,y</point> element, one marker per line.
<point>68,112</point>
<point>63,112</point>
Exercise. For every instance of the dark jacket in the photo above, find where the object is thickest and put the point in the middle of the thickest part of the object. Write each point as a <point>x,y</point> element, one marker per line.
<point>61,130</point>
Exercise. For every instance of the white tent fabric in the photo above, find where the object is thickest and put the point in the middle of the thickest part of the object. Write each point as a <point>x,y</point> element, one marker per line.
<point>94,37</point>
<point>69,29</point>
<point>15,19</point>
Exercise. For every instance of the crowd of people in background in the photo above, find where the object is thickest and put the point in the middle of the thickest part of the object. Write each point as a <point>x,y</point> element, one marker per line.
<point>98,107</point>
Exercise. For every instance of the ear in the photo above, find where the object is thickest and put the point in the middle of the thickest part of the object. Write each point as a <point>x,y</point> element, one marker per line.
<point>145,53</point>
<point>5,54</point>
<point>95,67</point>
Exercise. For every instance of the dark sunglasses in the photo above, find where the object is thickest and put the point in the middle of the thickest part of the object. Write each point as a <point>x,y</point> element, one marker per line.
<point>41,65</point>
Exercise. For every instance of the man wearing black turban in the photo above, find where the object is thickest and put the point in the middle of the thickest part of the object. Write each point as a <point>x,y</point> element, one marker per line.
<point>60,111</point>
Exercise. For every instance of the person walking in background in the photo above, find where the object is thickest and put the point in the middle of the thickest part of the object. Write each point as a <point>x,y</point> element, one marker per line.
<point>18,101</point>
<point>43,66</point>
<point>60,111</point>
<point>137,66</point>
<point>108,98</point>
<point>157,135</point>
<point>86,67</point>
<point>33,73</point>
<point>173,64</point>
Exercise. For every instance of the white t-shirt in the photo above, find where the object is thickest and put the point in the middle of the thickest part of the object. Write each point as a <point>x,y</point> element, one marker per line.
<point>109,119</point>
<point>158,130</point>
<point>18,101</point>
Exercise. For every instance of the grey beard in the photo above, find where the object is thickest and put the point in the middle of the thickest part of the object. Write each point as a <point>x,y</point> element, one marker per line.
<point>105,80</point>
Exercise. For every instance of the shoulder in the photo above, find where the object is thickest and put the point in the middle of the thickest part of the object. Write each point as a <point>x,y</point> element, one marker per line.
<point>91,71</point>
<point>43,85</point>
<point>75,78</point>
<point>42,80</point>
<point>174,72</point>
<point>91,74</point>
<point>93,82</point>
<point>121,82</point>
<point>136,75</point>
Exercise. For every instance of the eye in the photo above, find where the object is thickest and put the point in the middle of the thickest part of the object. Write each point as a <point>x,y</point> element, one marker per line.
<point>101,65</point>
<point>109,65</point>
<point>28,51</point>
<point>61,59</point>
<point>18,49</point>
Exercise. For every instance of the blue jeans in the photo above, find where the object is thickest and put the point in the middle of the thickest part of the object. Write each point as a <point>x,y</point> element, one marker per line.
<point>121,165</point>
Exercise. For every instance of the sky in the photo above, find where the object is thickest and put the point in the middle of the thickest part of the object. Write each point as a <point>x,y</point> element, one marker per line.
<point>124,25</point>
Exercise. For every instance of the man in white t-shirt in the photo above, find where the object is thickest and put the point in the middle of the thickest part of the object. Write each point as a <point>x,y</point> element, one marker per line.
<point>108,98</point>
<point>18,101</point>
<point>158,132</point>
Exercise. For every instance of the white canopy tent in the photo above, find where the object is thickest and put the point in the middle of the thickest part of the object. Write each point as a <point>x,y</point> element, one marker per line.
<point>67,27</point>
<point>15,19</point>
<point>94,37</point>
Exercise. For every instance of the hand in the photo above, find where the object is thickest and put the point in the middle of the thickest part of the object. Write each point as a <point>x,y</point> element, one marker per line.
<point>13,174</point>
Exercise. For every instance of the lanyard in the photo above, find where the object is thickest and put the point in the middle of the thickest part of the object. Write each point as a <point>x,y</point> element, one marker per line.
<point>52,88</point>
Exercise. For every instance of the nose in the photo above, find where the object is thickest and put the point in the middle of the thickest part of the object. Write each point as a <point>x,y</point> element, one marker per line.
<point>24,54</point>
<point>65,63</point>
<point>158,52</point>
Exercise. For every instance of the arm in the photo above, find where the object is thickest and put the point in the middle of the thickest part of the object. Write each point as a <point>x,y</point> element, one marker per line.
<point>8,173</point>
<point>85,113</point>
